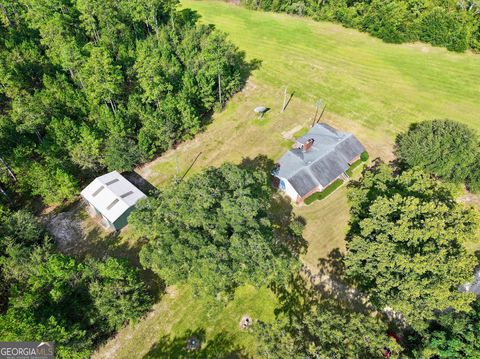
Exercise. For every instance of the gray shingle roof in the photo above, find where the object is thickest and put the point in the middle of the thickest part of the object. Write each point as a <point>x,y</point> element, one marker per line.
<point>325,161</point>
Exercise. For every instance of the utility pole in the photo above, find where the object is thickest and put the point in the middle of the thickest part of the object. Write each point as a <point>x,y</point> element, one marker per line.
<point>321,115</point>
<point>285,98</point>
<point>317,107</point>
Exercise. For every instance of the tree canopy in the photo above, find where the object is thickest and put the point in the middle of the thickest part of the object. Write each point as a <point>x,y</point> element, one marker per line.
<point>453,335</point>
<point>48,296</point>
<point>444,148</point>
<point>406,245</point>
<point>88,86</point>
<point>214,231</point>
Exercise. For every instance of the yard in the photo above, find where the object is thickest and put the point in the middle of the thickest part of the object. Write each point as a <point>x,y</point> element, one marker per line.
<point>371,89</point>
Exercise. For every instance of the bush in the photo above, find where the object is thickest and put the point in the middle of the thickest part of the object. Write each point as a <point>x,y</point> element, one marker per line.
<point>443,148</point>
<point>443,28</point>
<point>364,156</point>
<point>325,193</point>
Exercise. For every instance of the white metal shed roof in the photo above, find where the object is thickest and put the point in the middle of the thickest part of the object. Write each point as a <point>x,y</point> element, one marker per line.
<point>112,195</point>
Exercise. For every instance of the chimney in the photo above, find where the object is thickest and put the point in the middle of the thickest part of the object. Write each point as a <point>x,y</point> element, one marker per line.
<point>306,146</point>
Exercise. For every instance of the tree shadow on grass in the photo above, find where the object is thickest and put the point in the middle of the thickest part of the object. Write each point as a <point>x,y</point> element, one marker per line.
<point>141,183</point>
<point>331,281</point>
<point>287,225</point>
<point>296,297</point>
<point>221,346</point>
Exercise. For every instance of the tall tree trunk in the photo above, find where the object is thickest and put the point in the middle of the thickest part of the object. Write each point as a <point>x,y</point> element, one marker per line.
<point>4,11</point>
<point>72,74</point>
<point>9,170</point>
<point>2,191</point>
<point>37,132</point>
<point>112,105</point>
<point>173,20</point>
<point>78,77</point>
<point>96,37</point>
<point>220,90</point>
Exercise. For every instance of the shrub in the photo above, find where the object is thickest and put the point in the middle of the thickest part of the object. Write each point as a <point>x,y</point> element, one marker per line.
<point>364,156</point>
<point>443,28</point>
<point>325,193</point>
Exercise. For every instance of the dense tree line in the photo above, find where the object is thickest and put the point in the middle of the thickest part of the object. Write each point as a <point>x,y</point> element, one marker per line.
<point>454,24</point>
<point>214,231</point>
<point>92,85</point>
<point>48,296</point>
<point>444,148</point>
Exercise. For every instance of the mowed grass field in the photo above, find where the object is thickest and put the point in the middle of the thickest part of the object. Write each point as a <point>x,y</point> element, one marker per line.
<point>372,89</point>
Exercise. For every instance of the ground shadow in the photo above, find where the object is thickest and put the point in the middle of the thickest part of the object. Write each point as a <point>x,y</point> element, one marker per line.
<point>141,183</point>
<point>287,225</point>
<point>221,346</point>
<point>288,101</point>
<point>331,281</point>
<point>295,297</point>
<point>260,162</point>
<point>248,67</point>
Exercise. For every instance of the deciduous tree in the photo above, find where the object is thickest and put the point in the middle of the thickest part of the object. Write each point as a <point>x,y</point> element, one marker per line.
<point>406,246</point>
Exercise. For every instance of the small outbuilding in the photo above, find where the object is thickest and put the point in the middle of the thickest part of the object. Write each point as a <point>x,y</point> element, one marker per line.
<point>111,198</point>
<point>317,160</point>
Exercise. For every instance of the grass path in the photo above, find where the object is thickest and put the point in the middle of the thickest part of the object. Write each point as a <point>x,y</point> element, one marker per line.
<point>371,88</point>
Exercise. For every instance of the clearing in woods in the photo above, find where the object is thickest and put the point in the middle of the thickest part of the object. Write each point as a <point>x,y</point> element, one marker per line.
<point>371,88</point>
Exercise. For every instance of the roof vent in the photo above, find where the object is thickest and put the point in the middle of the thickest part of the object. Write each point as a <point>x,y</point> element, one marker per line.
<point>97,191</point>
<point>126,194</point>
<point>110,206</point>
<point>112,181</point>
<point>307,145</point>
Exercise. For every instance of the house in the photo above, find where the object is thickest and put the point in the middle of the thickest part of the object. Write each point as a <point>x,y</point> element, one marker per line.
<point>112,198</point>
<point>317,160</point>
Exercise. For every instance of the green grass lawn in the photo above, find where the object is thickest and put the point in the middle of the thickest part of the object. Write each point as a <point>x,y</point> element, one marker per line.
<point>179,316</point>
<point>370,88</point>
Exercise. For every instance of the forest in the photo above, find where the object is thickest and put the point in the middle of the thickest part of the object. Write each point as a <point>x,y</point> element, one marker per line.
<point>88,86</point>
<point>448,23</point>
